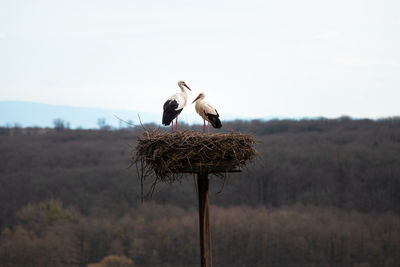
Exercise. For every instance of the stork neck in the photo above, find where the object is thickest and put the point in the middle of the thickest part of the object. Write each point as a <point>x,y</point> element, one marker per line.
<point>182,88</point>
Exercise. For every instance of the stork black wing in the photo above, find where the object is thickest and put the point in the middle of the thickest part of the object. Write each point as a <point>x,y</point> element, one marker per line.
<point>214,119</point>
<point>170,112</point>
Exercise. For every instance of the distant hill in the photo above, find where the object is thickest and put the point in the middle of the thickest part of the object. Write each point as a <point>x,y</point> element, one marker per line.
<point>36,114</point>
<point>28,114</point>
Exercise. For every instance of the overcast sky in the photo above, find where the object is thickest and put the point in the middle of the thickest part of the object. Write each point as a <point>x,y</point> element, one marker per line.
<point>250,58</point>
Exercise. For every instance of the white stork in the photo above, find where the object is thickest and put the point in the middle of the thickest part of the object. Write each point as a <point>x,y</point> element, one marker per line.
<point>207,112</point>
<point>174,106</point>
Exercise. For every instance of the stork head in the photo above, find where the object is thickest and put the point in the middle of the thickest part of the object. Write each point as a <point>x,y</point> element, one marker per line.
<point>200,96</point>
<point>182,83</point>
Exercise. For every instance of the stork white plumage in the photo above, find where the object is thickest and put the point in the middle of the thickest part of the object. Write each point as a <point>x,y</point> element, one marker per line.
<point>207,112</point>
<point>174,106</point>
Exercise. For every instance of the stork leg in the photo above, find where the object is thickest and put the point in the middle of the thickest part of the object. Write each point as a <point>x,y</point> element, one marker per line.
<point>208,125</point>
<point>204,125</point>
<point>176,124</point>
<point>172,129</point>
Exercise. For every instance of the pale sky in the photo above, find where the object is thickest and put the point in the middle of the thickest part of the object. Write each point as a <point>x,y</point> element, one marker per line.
<point>250,58</point>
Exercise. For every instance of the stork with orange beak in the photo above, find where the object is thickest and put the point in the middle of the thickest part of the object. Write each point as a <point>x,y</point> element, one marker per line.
<point>207,112</point>
<point>174,106</point>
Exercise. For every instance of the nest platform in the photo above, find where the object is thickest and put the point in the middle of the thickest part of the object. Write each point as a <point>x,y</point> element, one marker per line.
<point>171,154</point>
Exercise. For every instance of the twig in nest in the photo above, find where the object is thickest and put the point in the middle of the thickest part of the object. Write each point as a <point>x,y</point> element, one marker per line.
<point>140,120</point>
<point>223,185</point>
<point>127,122</point>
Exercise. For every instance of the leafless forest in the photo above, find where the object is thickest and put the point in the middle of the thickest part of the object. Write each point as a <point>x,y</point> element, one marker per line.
<point>321,193</point>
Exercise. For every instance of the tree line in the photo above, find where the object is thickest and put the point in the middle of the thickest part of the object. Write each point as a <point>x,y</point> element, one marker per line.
<point>48,234</point>
<point>307,170</point>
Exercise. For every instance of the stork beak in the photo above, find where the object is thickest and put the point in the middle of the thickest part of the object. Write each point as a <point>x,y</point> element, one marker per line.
<point>187,86</point>
<point>196,99</point>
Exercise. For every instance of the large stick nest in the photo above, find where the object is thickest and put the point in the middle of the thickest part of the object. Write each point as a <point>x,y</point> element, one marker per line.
<point>171,154</point>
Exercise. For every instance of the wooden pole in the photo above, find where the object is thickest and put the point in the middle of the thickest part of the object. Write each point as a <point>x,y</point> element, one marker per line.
<point>204,219</point>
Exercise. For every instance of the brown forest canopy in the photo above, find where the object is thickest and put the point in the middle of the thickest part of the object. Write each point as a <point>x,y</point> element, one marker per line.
<point>341,166</point>
<point>163,235</point>
<point>351,164</point>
